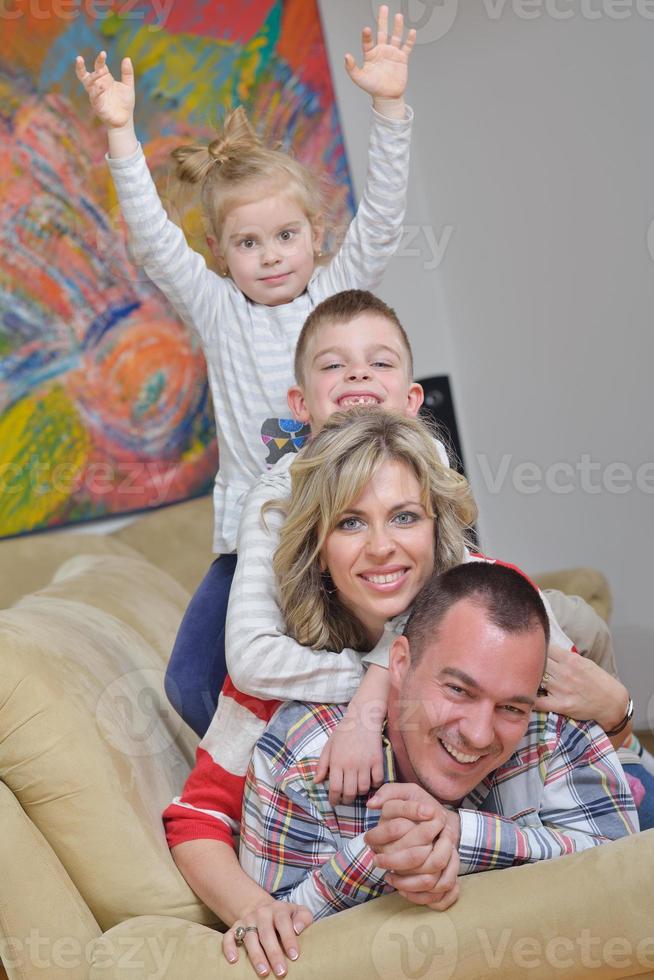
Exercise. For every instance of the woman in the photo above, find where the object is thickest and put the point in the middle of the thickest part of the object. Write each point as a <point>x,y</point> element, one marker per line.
<point>371,514</point>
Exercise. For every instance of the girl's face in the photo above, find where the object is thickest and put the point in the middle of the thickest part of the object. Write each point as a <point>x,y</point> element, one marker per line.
<point>268,247</point>
<point>381,551</point>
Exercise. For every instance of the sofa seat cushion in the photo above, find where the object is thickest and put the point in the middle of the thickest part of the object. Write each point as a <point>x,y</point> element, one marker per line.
<point>88,745</point>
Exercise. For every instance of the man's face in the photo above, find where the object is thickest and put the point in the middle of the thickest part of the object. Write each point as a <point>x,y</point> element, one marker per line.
<point>461,712</point>
<point>362,362</point>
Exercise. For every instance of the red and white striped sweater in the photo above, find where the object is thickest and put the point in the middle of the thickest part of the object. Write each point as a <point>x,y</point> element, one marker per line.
<point>212,798</point>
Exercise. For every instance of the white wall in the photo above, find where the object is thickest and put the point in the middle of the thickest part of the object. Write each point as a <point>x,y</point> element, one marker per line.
<point>534,139</point>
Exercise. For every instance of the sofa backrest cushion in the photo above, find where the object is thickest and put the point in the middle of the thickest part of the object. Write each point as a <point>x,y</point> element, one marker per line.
<point>88,743</point>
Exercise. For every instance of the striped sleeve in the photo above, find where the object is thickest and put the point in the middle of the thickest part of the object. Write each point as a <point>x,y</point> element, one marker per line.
<point>375,232</point>
<point>160,247</point>
<point>586,801</point>
<point>209,807</point>
<point>261,658</point>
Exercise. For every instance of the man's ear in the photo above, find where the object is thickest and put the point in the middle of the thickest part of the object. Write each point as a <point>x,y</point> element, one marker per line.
<point>399,661</point>
<point>297,404</point>
<point>216,251</point>
<point>415,398</point>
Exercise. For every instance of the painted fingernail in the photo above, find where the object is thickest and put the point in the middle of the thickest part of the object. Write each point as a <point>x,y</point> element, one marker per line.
<point>262,970</point>
<point>231,957</point>
<point>298,927</point>
<point>280,970</point>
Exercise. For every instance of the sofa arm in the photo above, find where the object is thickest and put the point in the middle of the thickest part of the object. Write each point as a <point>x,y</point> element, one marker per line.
<point>35,888</point>
<point>587,915</point>
<point>588,583</point>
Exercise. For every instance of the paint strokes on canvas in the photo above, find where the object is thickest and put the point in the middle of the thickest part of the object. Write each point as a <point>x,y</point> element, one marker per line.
<point>104,405</point>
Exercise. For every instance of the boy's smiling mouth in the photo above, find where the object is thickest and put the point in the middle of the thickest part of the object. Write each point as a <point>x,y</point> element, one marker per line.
<point>358,398</point>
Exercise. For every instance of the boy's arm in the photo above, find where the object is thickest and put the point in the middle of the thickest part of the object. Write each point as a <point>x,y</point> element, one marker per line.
<point>376,230</point>
<point>156,243</point>
<point>261,659</point>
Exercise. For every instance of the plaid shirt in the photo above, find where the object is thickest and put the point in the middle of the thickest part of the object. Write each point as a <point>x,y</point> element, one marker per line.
<point>563,790</point>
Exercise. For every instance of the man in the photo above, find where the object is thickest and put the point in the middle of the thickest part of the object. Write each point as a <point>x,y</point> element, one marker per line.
<point>474,778</point>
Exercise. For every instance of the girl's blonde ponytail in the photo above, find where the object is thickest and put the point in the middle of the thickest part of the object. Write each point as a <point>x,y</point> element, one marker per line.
<point>235,144</point>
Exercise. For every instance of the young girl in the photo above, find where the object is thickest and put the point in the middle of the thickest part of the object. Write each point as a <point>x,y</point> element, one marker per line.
<point>263,211</point>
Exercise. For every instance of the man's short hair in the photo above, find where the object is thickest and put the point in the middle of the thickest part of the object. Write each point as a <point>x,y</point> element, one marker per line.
<point>510,600</point>
<point>341,308</point>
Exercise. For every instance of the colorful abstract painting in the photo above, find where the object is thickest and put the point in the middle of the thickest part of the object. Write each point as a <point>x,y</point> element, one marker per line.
<point>104,404</point>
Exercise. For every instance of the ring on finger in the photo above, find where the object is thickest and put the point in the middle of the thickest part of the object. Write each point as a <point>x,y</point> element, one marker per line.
<point>241,932</point>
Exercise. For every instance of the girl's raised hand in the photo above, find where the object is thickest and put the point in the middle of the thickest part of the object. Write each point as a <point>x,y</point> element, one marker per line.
<point>385,68</point>
<point>112,101</point>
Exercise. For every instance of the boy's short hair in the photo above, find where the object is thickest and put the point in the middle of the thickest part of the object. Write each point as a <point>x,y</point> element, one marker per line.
<point>341,308</point>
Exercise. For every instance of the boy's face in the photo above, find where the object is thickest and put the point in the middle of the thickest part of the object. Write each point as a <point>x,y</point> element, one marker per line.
<point>361,362</point>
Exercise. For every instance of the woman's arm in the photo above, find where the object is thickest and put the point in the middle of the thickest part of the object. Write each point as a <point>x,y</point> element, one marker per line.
<point>353,756</point>
<point>585,687</point>
<point>262,659</point>
<point>579,689</point>
<point>212,870</point>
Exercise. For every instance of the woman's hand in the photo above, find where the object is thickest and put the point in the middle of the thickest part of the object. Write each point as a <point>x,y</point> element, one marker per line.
<point>353,758</point>
<point>385,68</point>
<point>578,688</point>
<point>278,925</point>
<point>112,101</point>
<point>353,755</point>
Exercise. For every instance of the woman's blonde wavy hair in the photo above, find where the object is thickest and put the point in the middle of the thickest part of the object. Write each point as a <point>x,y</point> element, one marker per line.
<point>233,162</point>
<point>326,477</point>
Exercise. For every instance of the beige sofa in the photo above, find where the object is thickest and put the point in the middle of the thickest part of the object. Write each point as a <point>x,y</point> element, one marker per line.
<point>90,754</point>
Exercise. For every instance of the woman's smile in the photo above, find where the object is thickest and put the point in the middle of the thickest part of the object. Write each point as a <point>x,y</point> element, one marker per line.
<point>386,579</point>
<point>381,551</point>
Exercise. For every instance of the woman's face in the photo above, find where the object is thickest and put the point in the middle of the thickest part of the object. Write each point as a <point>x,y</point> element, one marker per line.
<point>381,551</point>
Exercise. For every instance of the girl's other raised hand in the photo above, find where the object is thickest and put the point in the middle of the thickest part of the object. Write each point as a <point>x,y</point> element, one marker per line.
<point>112,100</point>
<point>385,69</point>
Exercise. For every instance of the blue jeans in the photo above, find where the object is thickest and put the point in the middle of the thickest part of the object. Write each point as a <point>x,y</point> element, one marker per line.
<point>646,808</point>
<point>197,667</point>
